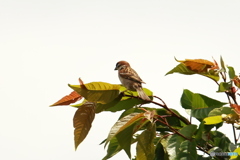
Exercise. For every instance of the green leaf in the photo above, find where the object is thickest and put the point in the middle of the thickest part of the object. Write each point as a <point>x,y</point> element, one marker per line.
<point>186,99</point>
<point>82,122</point>
<point>190,100</point>
<point>113,148</point>
<point>202,101</point>
<point>220,111</point>
<point>212,75</point>
<point>213,120</point>
<point>145,145</point>
<point>125,133</point>
<point>219,139</point>
<point>222,64</point>
<point>223,86</point>
<point>200,104</point>
<point>163,142</point>
<point>123,123</point>
<point>187,150</point>
<point>231,72</point>
<point>200,114</point>
<point>181,68</point>
<point>104,107</point>
<point>188,131</point>
<point>178,146</point>
<point>125,104</point>
<point>124,138</point>
<point>99,92</point>
<point>160,152</point>
<point>173,145</point>
<point>201,135</point>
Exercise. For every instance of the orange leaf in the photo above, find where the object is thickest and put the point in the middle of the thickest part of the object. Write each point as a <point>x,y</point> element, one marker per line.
<point>236,108</point>
<point>236,81</point>
<point>71,98</point>
<point>82,122</point>
<point>199,65</point>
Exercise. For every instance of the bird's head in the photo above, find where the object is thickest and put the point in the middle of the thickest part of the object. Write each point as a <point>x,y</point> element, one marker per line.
<point>121,64</point>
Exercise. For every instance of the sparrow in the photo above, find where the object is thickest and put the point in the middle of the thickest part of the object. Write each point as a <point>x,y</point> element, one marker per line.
<point>130,79</point>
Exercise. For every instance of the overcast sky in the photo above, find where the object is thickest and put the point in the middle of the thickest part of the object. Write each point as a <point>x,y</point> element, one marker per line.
<point>46,44</point>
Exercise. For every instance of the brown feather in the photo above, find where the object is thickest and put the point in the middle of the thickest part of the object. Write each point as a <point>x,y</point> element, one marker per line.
<point>130,79</point>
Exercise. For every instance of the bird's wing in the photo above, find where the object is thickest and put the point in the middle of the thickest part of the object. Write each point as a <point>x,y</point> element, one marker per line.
<point>131,75</point>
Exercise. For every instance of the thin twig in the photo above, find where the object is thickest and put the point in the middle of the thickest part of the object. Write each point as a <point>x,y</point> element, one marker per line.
<point>234,134</point>
<point>165,136</point>
<point>174,130</point>
<point>173,113</point>
<point>202,149</point>
<point>160,100</point>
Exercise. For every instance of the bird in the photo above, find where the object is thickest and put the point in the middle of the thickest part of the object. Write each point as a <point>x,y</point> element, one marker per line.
<point>130,79</point>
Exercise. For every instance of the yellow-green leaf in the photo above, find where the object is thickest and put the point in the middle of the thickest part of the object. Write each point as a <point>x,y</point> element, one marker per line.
<point>82,122</point>
<point>213,120</point>
<point>123,102</point>
<point>99,92</point>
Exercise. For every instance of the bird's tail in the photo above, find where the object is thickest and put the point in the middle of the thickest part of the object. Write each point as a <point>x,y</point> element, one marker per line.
<point>142,94</point>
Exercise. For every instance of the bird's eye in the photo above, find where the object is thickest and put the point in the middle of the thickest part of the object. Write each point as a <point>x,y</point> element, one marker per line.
<point>119,65</point>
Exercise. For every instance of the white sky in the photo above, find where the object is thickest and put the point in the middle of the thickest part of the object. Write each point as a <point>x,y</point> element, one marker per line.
<point>46,44</point>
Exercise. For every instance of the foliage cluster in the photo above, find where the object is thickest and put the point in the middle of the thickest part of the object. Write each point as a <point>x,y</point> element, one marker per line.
<point>161,132</point>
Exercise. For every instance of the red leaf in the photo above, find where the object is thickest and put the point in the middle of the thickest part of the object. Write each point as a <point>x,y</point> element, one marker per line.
<point>71,98</point>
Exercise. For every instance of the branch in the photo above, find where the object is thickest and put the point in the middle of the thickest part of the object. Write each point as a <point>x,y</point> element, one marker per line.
<point>164,106</point>
<point>230,93</point>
